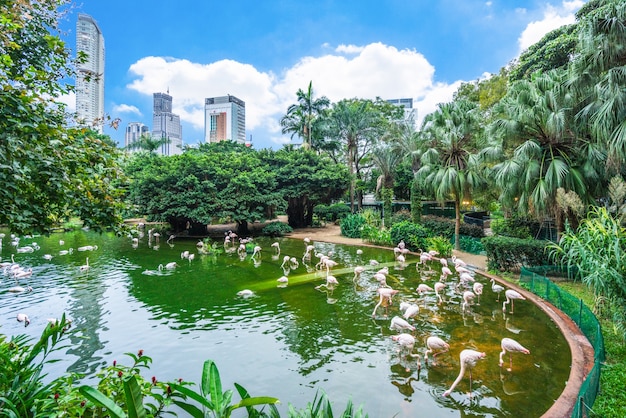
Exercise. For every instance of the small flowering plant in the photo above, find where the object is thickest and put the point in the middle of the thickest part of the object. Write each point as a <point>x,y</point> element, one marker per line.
<point>123,389</point>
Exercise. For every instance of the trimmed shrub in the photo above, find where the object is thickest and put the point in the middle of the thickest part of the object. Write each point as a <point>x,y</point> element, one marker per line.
<point>332,213</point>
<point>276,229</point>
<point>401,216</point>
<point>510,254</point>
<point>352,225</point>
<point>413,235</point>
<point>471,245</point>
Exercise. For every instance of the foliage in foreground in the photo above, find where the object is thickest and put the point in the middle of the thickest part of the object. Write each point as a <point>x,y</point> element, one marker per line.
<point>122,391</point>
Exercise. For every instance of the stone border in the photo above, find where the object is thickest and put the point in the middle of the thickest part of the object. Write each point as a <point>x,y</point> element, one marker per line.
<point>580,347</point>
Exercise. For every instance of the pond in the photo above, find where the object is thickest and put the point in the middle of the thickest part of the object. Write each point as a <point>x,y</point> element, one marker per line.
<point>286,340</point>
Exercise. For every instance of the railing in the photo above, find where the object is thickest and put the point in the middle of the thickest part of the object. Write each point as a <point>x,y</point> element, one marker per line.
<point>586,321</point>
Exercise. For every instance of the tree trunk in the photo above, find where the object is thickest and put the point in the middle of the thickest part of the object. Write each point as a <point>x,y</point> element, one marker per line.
<point>352,178</point>
<point>297,213</point>
<point>242,228</point>
<point>416,202</point>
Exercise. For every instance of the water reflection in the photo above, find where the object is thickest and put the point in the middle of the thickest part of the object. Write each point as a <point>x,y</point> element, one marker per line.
<point>309,332</point>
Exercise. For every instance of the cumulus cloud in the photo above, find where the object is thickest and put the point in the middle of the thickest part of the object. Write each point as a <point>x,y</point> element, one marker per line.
<point>124,108</point>
<point>553,17</point>
<point>69,100</point>
<point>370,71</point>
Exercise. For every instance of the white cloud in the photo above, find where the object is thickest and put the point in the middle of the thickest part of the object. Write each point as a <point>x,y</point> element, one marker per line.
<point>69,100</point>
<point>375,70</point>
<point>553,17</point>
<point>348,49</point>
<point>124,108</point>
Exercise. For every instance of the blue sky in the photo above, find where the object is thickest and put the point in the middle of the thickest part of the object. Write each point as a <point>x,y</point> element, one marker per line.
<point>264,51</point>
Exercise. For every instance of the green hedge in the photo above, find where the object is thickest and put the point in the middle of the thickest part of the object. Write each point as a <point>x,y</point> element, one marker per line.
<point>413,235</point>
<point>332,213</point>
<point>511,254</point>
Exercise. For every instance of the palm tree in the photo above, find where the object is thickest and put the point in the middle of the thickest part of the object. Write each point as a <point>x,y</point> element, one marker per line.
<point>148,143</point>
<point>387,160</point>
<point>548,153</point>
<point>451,166</point>
<point>303,118</point>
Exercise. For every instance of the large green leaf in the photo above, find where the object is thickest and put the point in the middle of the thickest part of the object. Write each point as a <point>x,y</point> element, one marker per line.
<point>97,397</point>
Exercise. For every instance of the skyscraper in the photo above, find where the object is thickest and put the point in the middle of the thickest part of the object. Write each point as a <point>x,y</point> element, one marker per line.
<point>409,112</point>
<point>166,125</point>
<point>134,132</point>
<point>90,73</point>
<point>224,118</point>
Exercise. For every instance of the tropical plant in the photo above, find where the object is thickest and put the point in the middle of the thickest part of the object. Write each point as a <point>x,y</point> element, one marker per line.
<point>148,143</point>
<point>386,159</point>
<point>414,235</point>
<point>440,244</point>
<point>451,167</point>
<point>597,250</point>
<point>305,118</point>
<point>210,401</point>
<point>276,229</point>
<point>352,225</point>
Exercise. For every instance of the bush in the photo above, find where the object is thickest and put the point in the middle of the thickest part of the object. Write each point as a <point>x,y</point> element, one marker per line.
<point>514,227</point>
<point>332,213</point>
<point>444,227</point>
<point>441,245</point>
<point>413,235</point>
<point>401,216</point>
<point>372,217</point>
<point>276,229</point>
<point>351,226</point>
<point>510,254</point>
<point>377,236</point>
<point>471,245</point>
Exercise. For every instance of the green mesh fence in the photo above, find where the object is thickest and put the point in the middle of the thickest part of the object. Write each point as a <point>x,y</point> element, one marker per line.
<point>534,280</point>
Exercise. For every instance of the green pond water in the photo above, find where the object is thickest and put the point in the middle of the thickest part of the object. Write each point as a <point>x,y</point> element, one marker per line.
<point>282,341</point>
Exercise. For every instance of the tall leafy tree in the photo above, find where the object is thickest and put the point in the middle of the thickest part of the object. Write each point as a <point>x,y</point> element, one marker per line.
<point>386,160</point>
<point>306,179</point>
<point>48,171</point>
<point>304,118</point>
<point>545,150</point>
<point>451,167</point>
<point>148,143</point>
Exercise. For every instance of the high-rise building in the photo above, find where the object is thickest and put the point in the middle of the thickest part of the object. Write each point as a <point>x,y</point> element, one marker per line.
<point>224,118</point>
<point>409,112</point>
<point>166,125</point>
<point>134,132</point>
<point>90,74</point>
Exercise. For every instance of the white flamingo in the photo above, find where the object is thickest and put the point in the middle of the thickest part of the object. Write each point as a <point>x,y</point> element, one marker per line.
<point>409,310</point>
<point>386,294</point>
<point>496,288</point>
<point>407,343</point>
<point>85,267</point>
<point>436,346</point>
<point>22,317</point>
<point>511,295</point>
<point>400,324</point>
<point>468,359</point>
<point>439,287</point>
<point>511,346</point>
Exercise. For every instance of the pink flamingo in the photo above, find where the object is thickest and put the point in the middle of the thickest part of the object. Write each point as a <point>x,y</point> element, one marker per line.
<point>285,261</point>
<point>511,346</point>
<point>400,324</point>
<point>386,295</point>
<point>478,290</point>
<point>407,343</point>
<point>445,272</point>
<point>511,295</point>
<point>409,310</point>
<point>423,288</point>
<point>435,346</point>
<point>357,273</point>
<point>443,261</point>
<point>468,298</point>
<point>439,287</point>
<point>276,245</point>
<point>468,358</point>
<point>22,317</point>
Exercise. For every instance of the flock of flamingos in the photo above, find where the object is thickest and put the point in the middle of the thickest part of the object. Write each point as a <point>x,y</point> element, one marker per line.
<point>465,285</point>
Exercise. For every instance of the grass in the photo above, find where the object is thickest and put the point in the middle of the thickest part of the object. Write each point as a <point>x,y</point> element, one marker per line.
<point>611,400</point>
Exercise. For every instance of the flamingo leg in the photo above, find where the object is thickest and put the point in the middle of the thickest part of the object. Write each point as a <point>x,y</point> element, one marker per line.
<point>510,362</point>
<point>470,378</point>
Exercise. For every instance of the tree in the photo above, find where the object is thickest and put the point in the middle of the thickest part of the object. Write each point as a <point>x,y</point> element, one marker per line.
<point>306,179</point>
<point>224,181</point>
<point>387,160</point>
<point>304,118</point>
<point>548,152</point>
<point>49,172</point>
<point>451,167</point>
<point>148,143</point>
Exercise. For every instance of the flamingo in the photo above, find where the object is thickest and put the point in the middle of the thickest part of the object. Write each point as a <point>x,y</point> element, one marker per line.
<point>468,298</point>
<point>88,248</point>
<point>22,274</point>
<point>293,263</point>
<point>359,252</point>
<point>283,279</point>
<point>20,289</point>
<point>400,324</point>
<point>168,266</point>
<point>468,358</point>
<point>478,290</point>
<point>191,257</point>
<point>407,343</point>
<point>85,267</point>
<point>439,286</point>
<point>357,273</point>
<point>285,261</point>
<point>511,346</point>
<point>170,239</point>
<point>409,310</point>
<point>184,254</point>
<point>423,288</point>
<point>374,262</point>
<point>386,294</point>
<point>245,292</point>
<point>22,317</point>
<point>400,259</point>
<point>496,288</point>
<point>458,261</point>
<point>307,253</point>
<point>66,252</point>
<point>331,282</point>
<point>511,295</point>
<point>445,272</point>
<point>382,279</point>
<point>256,251</point>
<point>276,245</point>
<point>444,262</point>
<point>436,346</point>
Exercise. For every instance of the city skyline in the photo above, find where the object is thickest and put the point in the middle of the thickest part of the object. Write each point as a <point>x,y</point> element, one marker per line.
<point>90,73</point>
<point>264,53</point>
